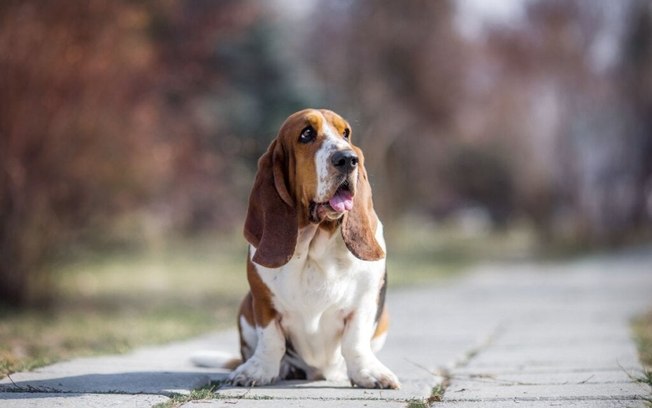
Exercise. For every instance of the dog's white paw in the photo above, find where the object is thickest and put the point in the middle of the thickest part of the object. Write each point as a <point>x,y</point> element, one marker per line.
<point>254,372</point>
<point>374,375</point>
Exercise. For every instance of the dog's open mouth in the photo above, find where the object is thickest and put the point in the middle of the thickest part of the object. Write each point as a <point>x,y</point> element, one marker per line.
<point>342,200</point>
<point>338,204</point>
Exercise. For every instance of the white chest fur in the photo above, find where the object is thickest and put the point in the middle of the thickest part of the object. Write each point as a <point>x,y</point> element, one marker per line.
<point>318,289</point>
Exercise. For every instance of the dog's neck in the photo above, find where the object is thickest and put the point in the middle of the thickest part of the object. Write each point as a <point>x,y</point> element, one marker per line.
<point>312,235</point>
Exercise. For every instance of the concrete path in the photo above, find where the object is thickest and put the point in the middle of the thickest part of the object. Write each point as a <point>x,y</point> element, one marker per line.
<point>553,335</point>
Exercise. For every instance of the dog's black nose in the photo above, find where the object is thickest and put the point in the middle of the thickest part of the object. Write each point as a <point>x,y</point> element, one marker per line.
<point>345,160</point>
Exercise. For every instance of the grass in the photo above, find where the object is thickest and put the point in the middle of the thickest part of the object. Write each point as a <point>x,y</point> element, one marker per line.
<point>113,302</point>
<point>417,404</point>
<point>643,335</point>
<point>199,394</point>
<point>437,395</point>
<point>419,252</point>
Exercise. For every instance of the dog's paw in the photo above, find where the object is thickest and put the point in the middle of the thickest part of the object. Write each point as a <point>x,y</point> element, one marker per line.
<point>254,372</point>
<point>374,376</point>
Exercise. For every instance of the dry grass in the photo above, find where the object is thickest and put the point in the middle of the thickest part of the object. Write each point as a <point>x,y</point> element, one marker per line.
<point>111,303</point>
<point>420,252</point>
<point>643,336</point>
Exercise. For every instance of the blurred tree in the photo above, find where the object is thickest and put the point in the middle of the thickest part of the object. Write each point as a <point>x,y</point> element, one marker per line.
<point>112,110</point>
<point>225,90</point>
<point>600,144</point>
<point>571,113</point>
<point>71,94</point>
<point>635,74</point>
<point>530,119</point>
<point>395,68</point>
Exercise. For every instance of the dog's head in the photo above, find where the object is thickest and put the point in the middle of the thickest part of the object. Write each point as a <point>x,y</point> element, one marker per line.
<point>311,173</point>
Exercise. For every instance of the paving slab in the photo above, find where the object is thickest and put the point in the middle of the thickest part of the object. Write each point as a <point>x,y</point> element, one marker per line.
<point>410,389</point>
<point>579,355</point>
<point>465,372</point>
<point>489,379</point>
<point>473,391</point>
<point>530,334</point>
<point>162,370</point>
<point>144,382</point>
<point>563,338</point>
<point>37,400</point>
<point>516,403</point>
<point>282,403</point>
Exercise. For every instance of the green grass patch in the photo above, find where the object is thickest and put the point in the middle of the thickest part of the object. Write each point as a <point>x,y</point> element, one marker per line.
<point>204,393</point>
<point>643,335</point>
<point>417,404</point>
<point>437,394</point>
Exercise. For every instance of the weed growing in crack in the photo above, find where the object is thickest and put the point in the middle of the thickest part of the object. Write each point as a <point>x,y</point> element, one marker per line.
<point>203,393</point>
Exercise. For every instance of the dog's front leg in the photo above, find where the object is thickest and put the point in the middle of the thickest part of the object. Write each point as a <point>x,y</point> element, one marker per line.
<point>363,367</point>
<point>264,365</point>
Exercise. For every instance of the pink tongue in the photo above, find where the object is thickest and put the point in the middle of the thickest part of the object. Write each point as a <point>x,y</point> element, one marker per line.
<point>342,201</point>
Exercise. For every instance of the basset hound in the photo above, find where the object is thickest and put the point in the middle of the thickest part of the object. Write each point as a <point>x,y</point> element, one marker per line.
<point>316,263</point>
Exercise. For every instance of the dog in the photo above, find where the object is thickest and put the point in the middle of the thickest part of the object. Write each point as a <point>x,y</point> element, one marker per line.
<point>316,262</point>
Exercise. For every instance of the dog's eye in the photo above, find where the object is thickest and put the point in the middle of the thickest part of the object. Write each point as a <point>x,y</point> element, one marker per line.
<point>307,135</point>
<point>346,133</point>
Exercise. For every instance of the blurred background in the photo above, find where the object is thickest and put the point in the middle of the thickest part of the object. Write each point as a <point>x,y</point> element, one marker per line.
<point>130,131</point>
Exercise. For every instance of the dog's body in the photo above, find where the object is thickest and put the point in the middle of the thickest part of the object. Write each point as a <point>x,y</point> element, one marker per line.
<point>316,265</point>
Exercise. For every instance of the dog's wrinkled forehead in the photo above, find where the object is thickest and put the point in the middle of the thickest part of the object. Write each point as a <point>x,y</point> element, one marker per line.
<point>326,124</point>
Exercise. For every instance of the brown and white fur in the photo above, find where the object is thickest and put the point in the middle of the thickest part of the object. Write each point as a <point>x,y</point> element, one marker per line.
<point>316,264</point>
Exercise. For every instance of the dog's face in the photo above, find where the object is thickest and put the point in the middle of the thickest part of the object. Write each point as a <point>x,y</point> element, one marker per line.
<point>311,174</point>
<point>325,162</point>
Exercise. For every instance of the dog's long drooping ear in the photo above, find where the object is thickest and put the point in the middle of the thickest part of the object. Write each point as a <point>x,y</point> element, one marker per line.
<point>359,224</point>
<point>271,224</point>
